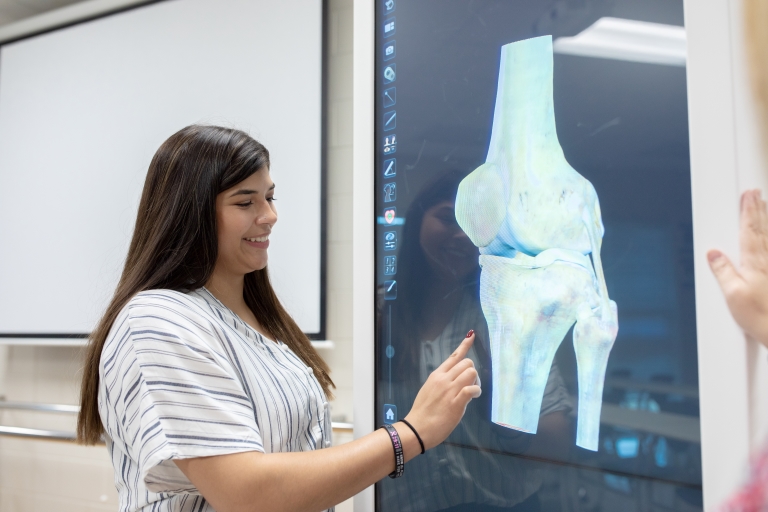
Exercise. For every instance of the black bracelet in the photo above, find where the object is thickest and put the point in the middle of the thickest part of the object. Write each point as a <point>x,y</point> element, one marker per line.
<point>416,433</point>
<point>398,446</point>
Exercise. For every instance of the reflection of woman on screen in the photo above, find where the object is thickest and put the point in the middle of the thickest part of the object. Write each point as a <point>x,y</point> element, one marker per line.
<point>438,296</point>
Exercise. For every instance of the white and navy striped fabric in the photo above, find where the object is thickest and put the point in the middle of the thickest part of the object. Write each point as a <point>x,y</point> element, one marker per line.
<point>183,376</point>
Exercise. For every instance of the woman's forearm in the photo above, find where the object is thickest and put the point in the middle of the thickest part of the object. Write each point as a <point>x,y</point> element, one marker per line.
<point>316,480</point>
<point>297,481</point>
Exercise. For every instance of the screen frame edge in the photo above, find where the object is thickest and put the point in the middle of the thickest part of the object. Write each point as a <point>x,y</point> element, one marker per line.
<point>363,229</point>
<point>715,195</point>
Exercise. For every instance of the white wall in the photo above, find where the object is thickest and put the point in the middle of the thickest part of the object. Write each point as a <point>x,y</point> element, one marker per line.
<point>339,255</point>
<point>41,475</point>
<point>362,229</point>
<point>44,475</point>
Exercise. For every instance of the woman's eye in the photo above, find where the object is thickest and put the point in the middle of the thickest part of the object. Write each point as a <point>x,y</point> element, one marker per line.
<point>245,205</point>
<point>270,199</point>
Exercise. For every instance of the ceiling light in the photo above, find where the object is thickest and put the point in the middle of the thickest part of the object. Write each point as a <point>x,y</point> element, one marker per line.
<point>635,41</point>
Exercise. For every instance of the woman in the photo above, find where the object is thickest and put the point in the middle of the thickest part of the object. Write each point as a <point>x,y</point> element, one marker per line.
<point>197,378</point>
<point>438,296</point>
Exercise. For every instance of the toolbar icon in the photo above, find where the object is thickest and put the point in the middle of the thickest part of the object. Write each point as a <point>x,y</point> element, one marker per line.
<point>390,168</point>
<point>389,6</point>
<point>390,413</point>
<point>390,120</point>
<point>390,73</point>
<point>389,27</point>
<point>390,265</point>
<point>390,214</point>
<point>390,50</point>
<point>390,97</point>
<point>390,290</point>
<point>390,192</point>
<point>390,144</point>
<point>390,240</point>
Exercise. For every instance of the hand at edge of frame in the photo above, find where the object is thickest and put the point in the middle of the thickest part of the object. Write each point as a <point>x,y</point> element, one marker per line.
<point>746,288</point>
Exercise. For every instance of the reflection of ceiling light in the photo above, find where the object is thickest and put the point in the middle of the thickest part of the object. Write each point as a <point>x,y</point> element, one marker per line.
<point>636,41</point>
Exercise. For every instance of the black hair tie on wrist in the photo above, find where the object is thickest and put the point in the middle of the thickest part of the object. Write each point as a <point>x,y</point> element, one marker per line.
<point>416,433</point>
<point>398,446</point>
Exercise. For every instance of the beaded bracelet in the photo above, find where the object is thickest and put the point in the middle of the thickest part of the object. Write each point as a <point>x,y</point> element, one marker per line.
<point>398,446</point>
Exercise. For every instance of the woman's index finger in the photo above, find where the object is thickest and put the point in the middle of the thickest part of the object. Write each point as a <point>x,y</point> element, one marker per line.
<point>458,354</point>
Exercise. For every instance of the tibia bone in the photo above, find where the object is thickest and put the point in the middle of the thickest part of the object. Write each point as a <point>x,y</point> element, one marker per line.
<point>529,304</point>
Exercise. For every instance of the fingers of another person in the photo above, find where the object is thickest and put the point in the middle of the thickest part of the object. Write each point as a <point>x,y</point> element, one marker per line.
<point>746,287</point>
<point>763,216</point>
<point>763,238</point>
<point>754,231</point>
<point>725,273</point>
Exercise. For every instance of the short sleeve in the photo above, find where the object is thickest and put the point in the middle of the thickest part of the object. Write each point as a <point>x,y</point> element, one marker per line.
<point>184,398</point>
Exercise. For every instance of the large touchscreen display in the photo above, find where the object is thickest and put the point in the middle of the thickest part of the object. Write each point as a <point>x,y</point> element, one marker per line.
<point>533,184</point>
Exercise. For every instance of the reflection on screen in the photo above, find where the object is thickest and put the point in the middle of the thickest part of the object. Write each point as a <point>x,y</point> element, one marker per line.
<point>487,218</point>
<point>536,219</point>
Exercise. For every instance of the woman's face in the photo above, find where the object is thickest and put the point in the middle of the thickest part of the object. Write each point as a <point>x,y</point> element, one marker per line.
<point>449,251</point>
<point>245,215</point>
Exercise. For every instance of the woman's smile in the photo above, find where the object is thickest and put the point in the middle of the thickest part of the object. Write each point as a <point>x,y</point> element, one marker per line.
<point>259,242</point>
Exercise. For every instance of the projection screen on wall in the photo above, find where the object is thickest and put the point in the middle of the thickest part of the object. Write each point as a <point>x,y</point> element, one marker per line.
<point>83,109</point>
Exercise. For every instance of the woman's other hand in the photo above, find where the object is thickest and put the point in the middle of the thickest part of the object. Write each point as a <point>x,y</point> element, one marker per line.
<point>443,398</point>
<point>746,288</point>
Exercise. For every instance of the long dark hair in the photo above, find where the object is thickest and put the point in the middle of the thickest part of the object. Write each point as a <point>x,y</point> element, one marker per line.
<point>174,246</point>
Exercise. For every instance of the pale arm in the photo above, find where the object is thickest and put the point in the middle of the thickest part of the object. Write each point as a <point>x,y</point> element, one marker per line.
<point>314,481</point>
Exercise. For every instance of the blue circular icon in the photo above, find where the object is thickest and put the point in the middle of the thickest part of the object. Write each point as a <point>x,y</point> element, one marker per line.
<point>390,351</point>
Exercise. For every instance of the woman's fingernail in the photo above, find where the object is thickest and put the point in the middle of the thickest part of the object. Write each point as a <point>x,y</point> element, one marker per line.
<point>470,333</point>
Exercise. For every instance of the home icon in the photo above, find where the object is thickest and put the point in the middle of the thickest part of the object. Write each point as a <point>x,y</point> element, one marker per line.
<point>390,413</point>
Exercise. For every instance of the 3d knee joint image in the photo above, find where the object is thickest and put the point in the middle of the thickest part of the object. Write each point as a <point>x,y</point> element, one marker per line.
<point>538,225</point>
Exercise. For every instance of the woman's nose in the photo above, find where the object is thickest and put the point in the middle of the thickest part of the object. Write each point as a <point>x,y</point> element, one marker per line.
<point>267,215</point>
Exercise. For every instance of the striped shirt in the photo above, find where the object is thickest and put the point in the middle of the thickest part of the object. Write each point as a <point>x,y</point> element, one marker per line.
<point>183,376</point>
